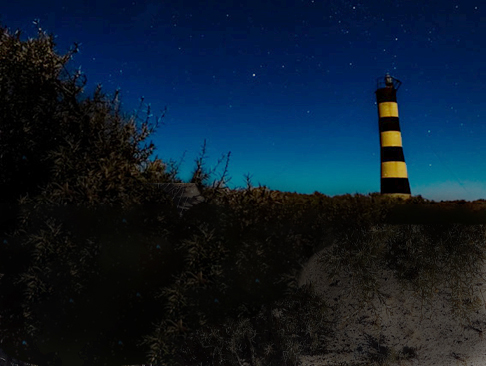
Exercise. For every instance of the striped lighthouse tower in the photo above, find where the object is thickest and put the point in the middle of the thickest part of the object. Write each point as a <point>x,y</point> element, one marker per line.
<point>394,177</point>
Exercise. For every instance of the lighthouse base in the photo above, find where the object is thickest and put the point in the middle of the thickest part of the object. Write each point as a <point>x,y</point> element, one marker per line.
<point>403,196</point>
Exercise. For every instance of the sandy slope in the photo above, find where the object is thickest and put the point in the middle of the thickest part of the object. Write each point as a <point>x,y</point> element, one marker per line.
<point>436,335</point>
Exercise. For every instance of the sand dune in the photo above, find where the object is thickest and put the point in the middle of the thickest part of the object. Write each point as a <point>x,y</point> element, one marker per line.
<point>399,323</point>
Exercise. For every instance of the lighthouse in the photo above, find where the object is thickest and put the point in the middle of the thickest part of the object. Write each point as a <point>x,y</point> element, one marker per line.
<point>394,177</point>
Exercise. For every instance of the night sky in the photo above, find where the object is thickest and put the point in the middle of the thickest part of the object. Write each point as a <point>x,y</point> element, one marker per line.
<point>288,86</point>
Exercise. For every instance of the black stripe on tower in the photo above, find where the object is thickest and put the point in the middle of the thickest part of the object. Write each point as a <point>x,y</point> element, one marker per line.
<point>386,95</point>
<point>395,185</point>
<point>392,153</point>
<point>389,124</point>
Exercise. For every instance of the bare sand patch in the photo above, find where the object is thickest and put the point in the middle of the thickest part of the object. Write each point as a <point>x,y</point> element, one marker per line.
<point>400,322</point>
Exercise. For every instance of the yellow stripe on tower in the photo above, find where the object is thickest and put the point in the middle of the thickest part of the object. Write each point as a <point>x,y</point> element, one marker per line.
<point>391,138</point>
<point>388,109</point>
<point>394,169</point>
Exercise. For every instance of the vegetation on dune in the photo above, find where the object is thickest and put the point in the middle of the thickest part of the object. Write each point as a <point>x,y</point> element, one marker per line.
<point>99,268</point>
<point>72,175</point>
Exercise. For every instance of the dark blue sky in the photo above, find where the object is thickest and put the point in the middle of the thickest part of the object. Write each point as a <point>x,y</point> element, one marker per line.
<point>288,87</point>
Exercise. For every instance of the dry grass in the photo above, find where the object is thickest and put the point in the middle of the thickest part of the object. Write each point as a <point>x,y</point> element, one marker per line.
<point>423,259</point>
